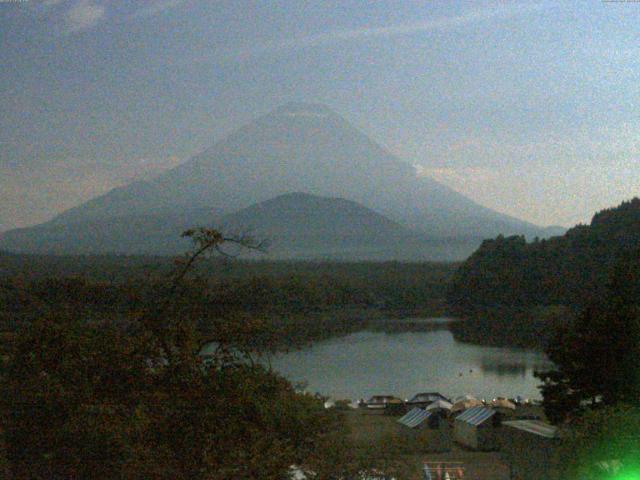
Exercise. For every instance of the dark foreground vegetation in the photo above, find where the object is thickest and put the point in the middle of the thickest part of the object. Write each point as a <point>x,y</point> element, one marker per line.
<point>104,380</point>
<point>594,389</point>
<point>102,377</point>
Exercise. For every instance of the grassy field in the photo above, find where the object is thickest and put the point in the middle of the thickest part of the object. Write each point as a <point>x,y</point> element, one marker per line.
<point>385,435</point>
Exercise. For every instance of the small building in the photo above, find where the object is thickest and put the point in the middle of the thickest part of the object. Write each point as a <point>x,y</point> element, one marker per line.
<point>396,407</point>
<point>425,431</point>
<point>465,404</point>
<point>379,400</point>
<point>530,448</point>
<point>380,403</point>
<point>503,403</point>
<point>426,398</point>
<point>417,418</point>
<point>476,428</point>
<point>462,398</point>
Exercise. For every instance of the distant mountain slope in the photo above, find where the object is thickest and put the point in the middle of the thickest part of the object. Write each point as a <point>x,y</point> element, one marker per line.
<point>300,225</point>
<point>296,148</point>
<point>285,214</point>
<point>311,149</point>
<point>122,234</point>
<point>565,270</point>
<point>296,225</point>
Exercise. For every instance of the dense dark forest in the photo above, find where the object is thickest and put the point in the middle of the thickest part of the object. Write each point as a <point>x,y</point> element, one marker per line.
<point>517,292</point>
<point>562,270</point>
<point>300,301</point>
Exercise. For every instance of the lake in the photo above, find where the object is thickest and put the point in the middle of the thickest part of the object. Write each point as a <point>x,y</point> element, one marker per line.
<point>371,362</point>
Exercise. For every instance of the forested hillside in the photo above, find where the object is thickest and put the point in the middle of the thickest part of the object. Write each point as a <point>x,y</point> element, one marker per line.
<point>299,301</point>
<point>568,270</point>
<point>511,292</point>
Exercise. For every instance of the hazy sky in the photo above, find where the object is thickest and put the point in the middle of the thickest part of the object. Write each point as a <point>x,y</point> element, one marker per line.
<point>530,108</point>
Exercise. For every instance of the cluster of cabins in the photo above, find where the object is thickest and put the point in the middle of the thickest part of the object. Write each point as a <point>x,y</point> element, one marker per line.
<point>527,445</point>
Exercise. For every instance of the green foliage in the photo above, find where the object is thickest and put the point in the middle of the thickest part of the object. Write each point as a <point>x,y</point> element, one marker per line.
<point>69,397</point>
<point>503,326</point>
<point>298,301</point>
<point>603,439</point>
<point>510,292</point>
<point>129,396</point>
<point>87,404</point>
<point>597,354</point>
<point>568,270</point>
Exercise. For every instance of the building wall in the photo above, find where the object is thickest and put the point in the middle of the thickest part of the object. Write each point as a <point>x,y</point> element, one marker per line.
<point>483,437</point>
<point>530,456</point>
<point>465,434</point>
<point>487,436</point>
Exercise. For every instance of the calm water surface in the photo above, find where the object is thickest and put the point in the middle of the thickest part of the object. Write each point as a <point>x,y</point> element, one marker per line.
<point>367,363</point>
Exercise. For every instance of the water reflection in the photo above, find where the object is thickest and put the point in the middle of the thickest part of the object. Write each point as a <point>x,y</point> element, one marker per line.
<point>408,325</point>
<point>369,363</point>
<point>509,368</point>
<point>505,369</point>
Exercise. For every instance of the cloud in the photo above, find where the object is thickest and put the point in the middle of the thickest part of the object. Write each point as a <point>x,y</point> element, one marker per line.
<point>156,8</point>
<point>436,24</point>
<point>83,15</point>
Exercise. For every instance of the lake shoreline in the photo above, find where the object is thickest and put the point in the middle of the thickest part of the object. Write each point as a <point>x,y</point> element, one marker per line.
<point>525,330</point>
<point>529,327</point>
<point>402,363</point>
<point>293,330</point>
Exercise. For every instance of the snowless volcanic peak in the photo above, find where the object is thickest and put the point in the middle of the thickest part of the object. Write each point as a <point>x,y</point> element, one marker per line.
<point>299,109</point>
<point>298,147</point>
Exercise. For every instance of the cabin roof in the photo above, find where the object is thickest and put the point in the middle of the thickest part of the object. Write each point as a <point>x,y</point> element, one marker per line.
<point>381,398</point>
<point>476,415</point>
<point>427,397</point>
<point>535,427</point>
<point>414,418</point>
<point>440,404</point>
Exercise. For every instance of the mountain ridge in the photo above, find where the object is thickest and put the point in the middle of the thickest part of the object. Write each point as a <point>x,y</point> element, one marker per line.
<point>306,148</point>
<point>296,225</point>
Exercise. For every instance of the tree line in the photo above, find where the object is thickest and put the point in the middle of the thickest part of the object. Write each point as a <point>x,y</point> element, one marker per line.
<point>299,301</point>
<point>566,270</point>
